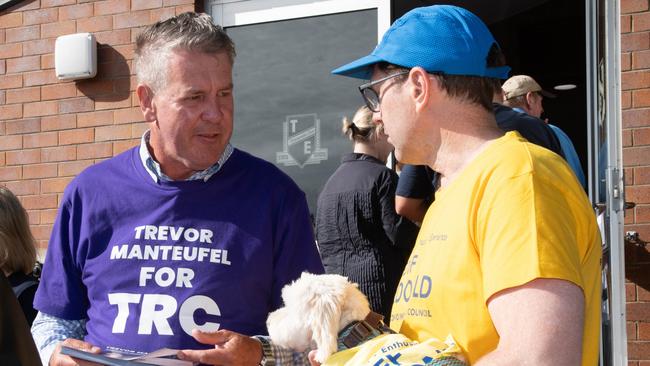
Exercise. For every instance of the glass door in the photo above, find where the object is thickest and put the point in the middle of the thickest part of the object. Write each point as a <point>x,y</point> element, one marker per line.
<point>288,107</point>
<point>606,189</point>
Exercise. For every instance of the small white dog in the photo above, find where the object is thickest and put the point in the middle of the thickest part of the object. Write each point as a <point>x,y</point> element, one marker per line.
<point>317,308</point>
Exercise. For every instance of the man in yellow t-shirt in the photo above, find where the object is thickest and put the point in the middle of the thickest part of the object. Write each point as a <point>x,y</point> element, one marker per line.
<point>508,257</point>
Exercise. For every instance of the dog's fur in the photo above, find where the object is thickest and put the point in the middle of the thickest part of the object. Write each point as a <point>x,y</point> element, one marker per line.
<point>317,308</point>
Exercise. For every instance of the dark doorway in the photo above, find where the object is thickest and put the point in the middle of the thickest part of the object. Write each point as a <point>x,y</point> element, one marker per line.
<point>544,39</point>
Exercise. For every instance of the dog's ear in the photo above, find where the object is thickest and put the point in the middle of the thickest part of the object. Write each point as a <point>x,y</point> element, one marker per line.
<point>325,327</point>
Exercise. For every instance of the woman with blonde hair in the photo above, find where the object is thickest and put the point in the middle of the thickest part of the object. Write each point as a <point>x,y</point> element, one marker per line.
<point>358,231</point>
<point>17,251</point>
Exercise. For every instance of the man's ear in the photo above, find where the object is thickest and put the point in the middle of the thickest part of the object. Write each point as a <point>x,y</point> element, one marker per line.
<point>421,86</point>
<point>530,98</point>
<point>145,96</point>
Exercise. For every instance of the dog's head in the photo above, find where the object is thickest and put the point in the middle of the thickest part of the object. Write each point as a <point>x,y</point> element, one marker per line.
<point>316,308</point>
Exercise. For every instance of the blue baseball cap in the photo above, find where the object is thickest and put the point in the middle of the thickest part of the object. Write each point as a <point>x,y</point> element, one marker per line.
<point>438,38</point>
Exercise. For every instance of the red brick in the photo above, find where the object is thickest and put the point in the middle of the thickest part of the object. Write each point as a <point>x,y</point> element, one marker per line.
<point>95,119</point>
<point>185,8</point>
<point>635,41</point>
<point>75,105</point>
<point>10,142</point>
<point>48,170</point>
<point>122,86</point>
<point>61,122</point>
<point>100,105</point>
<point>131,20</point>
<point>641,136</point>
<point>633,6</point>
<point>631,330</point>
<point>630,292</point>
<point>642,214</point>
<point>3,66</point>
<point>21,64</point>
<point>58,91</point>
<point>121,146</point>
<point>640,22</point>
<point>23,95</point>
<point>48,216</point>
<point>75,11</point>
<point>11,111</point>
<point>10,173</point>
<point>117,53</point>
<point>634,118</point>
<point>96,87</point>
<point>111,133</point>
<point>39,201</point>
<point>629,217</point>
<point>626,61</point>
<point>54,185</point>
<point>128,115</point>
<point>11,20</point>
<point>53,30</point>
<point>644,331</point>
<point>77,136</point>
<point>40,140</point>
<point>47,61</point>
<point>11,50</point>
<point>638,350</point>
<point>72,168</point>
<point>137,129</point>
<point>23,126</point>
<point>177,2</point>
<point>59,153</point>
<point>628,176</point>
<point>641,59</point>
<point>38,47</point>
<point>22,34</point>
<point>40,78</point>
<point>3,160</point>
<point>627,138</point>
<point>42,232</point>
<point>114,69</point>
<point>644,295</point>
<point>25,5</point>
<point>11,81</point>
<point>145,4</point>
<point>22,157</point>
<point>40,108</point>
<point>161,14</point>
<point>47,15</point>
<point>626,23</point>
<point>114,37</point>
<point>23,187</point>
<point>638,194</point>
<point>95,151</point>
<point>95,24</point>
<point>55,3</point>
<point>111,7</point>
<point>635,79</point>
<point>33,217</point>
<point>641,98</point>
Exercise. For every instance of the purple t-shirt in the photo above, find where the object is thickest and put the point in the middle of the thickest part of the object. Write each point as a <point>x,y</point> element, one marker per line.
<point>147,262</point>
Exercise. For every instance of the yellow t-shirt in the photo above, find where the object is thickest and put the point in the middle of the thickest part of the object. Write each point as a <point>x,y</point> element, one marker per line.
<point>514,214</point>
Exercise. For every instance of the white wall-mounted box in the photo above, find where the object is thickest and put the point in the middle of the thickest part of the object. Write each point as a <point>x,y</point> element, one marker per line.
<point>75,56</point>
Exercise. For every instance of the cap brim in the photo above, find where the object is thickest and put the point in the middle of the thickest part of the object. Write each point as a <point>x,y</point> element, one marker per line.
<point>360,69</point>
<point>546,94</point>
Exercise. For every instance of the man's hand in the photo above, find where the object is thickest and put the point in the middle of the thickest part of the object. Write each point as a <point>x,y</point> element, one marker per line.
<point>58,359</point>
<point>312,358</point>
<point>230,348</point>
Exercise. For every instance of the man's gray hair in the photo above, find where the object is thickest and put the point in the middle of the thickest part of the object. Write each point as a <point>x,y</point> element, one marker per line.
<point>187,31</point>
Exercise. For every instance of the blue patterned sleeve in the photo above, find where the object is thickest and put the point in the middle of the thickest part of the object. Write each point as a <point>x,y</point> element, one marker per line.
<point>48,331</point>
<point>284,357</point>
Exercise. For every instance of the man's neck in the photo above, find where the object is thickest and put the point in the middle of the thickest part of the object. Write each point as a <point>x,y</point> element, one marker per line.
<point>464,135</point>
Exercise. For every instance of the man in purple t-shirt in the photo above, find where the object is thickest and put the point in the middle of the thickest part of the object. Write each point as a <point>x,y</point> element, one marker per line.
<point>181,235</point>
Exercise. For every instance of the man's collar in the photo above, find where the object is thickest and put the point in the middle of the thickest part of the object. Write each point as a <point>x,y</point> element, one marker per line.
<point>155,171</point>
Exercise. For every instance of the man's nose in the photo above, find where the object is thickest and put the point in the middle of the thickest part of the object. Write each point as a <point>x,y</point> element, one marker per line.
<point>213,111</point>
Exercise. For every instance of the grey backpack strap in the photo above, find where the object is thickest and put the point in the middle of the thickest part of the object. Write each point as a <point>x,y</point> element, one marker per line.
<point>18,290</point>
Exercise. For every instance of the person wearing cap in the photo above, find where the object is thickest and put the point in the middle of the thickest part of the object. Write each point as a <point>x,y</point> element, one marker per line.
<point>523,94</point>
<point>507,260</point>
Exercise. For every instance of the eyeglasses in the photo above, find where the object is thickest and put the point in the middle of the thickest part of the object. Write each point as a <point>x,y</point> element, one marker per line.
<point>369,94</point>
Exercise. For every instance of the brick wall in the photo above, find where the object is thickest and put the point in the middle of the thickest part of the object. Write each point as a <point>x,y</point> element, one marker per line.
<point>50,130</point>
<point>635,65</point>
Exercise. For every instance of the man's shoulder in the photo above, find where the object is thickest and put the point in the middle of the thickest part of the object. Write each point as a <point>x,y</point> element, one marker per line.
<point>104,170</point>
<point>259,168</point>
